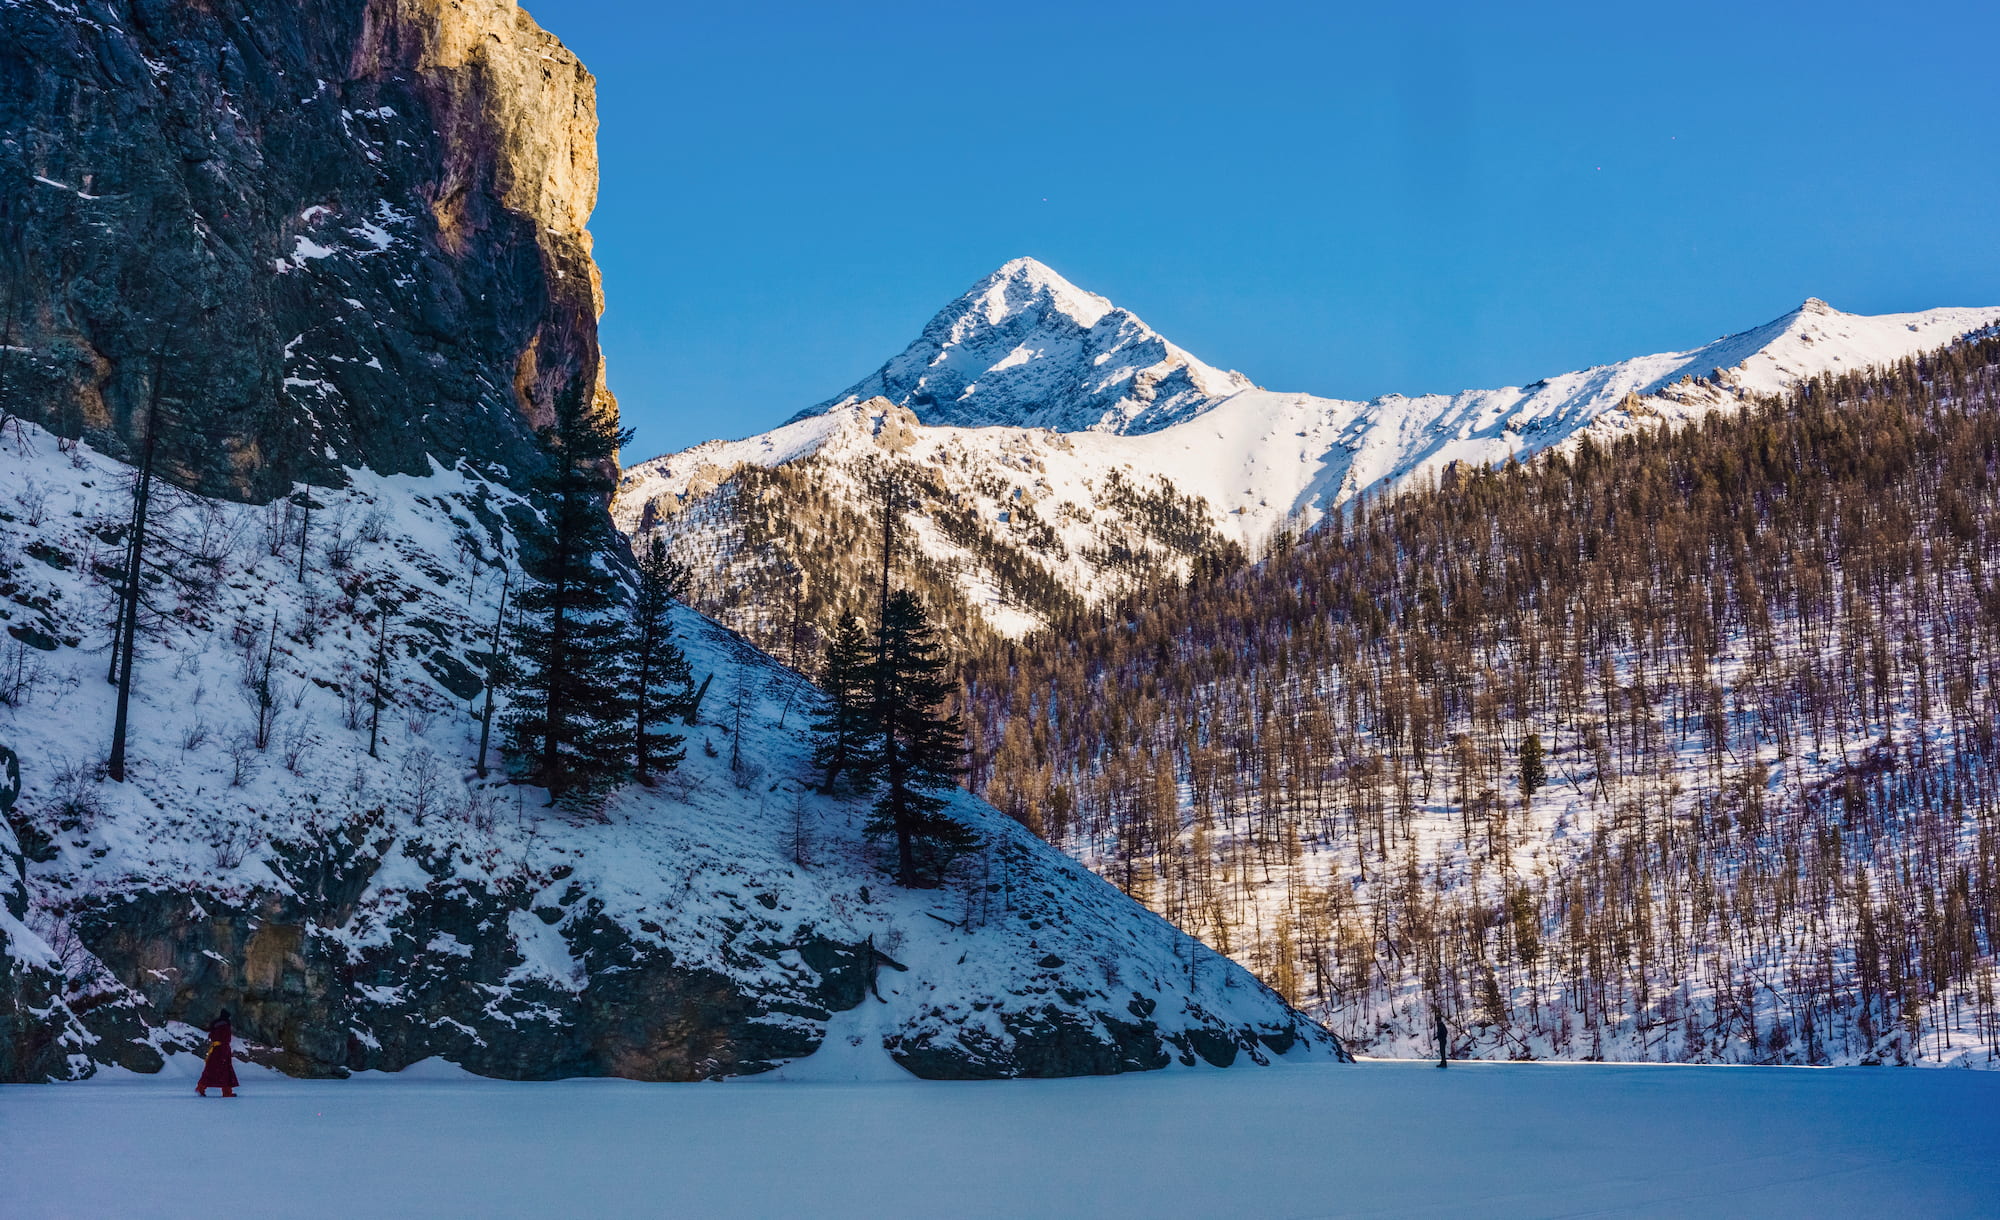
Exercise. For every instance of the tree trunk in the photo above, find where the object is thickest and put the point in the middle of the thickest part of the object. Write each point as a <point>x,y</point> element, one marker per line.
<point>136,555</point>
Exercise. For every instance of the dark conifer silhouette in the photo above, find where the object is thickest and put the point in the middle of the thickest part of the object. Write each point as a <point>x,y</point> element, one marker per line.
<point>1534,771</point>
<point>661,679</point>
<point>571,720</point>
<point>920,750</point>
<point>845,733</point>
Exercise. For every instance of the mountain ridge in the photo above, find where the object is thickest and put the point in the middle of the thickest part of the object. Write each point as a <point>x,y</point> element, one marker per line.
<point>1032,455</point>
<point>1699,672</point>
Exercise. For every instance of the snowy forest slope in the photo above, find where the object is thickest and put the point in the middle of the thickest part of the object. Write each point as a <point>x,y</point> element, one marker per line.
<point>1680,747</point>
<point>1048,464</point>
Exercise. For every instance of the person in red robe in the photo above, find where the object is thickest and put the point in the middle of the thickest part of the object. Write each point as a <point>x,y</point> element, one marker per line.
<point>220,1070</point>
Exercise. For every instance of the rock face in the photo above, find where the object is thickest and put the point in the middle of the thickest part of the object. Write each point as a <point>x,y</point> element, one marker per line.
<point>440,978</point>
<point>330,233</point>
<point>34,1022</point>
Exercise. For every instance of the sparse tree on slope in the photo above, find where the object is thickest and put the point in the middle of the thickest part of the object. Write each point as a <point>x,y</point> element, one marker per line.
<point>1534,772</point>
<point>661,679</point>
<point>920,748</point>
<point>846,731</point>
<point>571,723</point>
<point>124,638</point>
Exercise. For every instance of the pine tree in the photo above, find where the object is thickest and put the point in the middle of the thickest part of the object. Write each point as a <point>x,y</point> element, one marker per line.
<point>846,731</point>
<point>571,723</point>
<point>920,749</point>
<point>1533,773</point>
<point>661,680</point>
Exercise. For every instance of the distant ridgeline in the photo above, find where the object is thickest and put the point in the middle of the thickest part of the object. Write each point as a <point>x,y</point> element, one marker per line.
<point>1056,454</point>
<point>1678,747</point>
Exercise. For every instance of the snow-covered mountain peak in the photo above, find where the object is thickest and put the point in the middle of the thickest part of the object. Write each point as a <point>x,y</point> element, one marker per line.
<point>1027,284</point>
<point>1060,433</point>
<point>1024,347</point>
<point>1816,338</point>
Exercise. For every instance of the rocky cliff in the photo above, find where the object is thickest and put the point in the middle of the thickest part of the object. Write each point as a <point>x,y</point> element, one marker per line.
<point>34,1020</point>
<point>325,234</point>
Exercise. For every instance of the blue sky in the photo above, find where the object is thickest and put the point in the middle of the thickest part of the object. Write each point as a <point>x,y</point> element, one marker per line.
<point>1339,199</point>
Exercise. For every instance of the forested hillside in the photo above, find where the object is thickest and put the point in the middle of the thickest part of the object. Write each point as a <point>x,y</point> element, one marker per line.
<point>1680,747</point>
<point>1054,453</point>
<point>998,538</point>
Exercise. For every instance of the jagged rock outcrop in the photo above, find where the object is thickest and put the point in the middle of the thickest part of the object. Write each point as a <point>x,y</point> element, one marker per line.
<point>333,233</point>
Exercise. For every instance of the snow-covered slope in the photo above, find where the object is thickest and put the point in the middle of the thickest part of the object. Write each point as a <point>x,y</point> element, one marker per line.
<point>1025,520</point>
<point>358,911</point>
<point>1017,396</point>
<point>1026,347</point>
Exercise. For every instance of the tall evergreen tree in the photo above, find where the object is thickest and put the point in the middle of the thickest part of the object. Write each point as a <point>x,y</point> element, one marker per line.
<point>661,680</point>
<point>920,749</point>
<point>571,723</point>
<point>846,730</point>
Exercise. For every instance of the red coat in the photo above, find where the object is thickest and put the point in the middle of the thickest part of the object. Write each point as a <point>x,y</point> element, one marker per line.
<point>220,1070</point>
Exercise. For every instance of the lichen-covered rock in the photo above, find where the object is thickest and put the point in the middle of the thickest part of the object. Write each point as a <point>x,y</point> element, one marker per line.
<point>327,233</point>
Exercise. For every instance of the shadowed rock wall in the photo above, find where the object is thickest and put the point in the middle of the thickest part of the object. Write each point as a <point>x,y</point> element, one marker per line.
<point>327,232</point>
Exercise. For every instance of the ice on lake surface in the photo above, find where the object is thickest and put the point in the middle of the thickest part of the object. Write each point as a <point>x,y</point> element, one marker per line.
<point>1378,1139</point>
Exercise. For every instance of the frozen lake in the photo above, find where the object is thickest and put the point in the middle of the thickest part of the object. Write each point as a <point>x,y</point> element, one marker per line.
<point>1376,1139</point>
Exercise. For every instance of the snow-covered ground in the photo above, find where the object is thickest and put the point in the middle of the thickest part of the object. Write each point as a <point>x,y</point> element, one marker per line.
<point>1399,1139</point>
<point>734,863</point>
